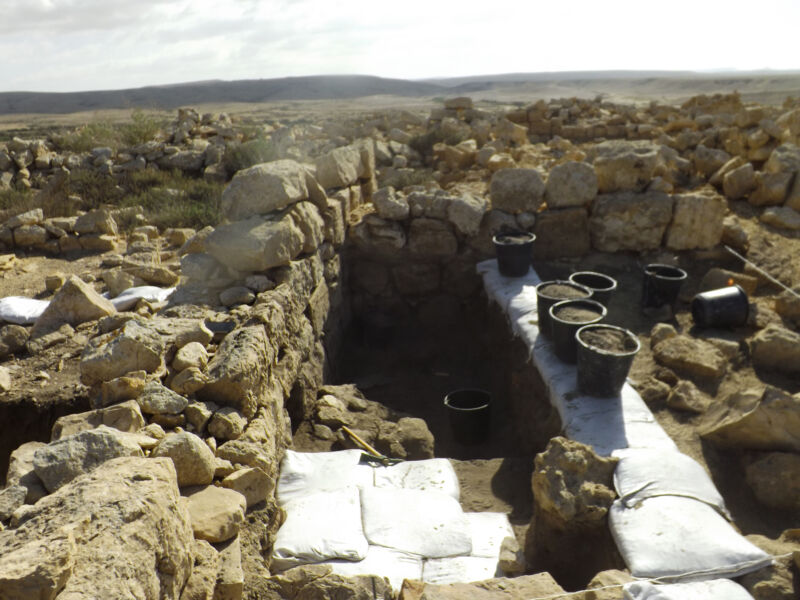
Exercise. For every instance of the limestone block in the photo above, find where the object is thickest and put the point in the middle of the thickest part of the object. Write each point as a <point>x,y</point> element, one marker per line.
<point>94,242</point>
<point>570,184</point>
<point>517,190</point>
<point>237,371</point>
<point>771,189</point>
<point>123,388</point>
<point>96,221</point>
<point>466,212</point>
<point>31,217</point>
<point>308,219</point>
<point>200,585</point>
<point>431,237</point>
<point>374,234</point>
<point>696,221</point>
<point>686,397</point>
<point>188,381</point>
<point>707,161</point>
<point>123,417</point>
<point>156,399</point>
<point>193,460</point>
<point>21,471</point>
<point>319,305</point>
<point>776,348</point>
<point>775,480</point>
<point>739,182</point>
<point>199,413</point>
<point>12,339</point>
<point>75,303</point>
<point>230,575</point>
<point>390,205</point>
<point>227,424</point>
<point>339,167</point>
<point>26,236</point>
<point>781,217</point>
<point>561,232</point>
<point>247,453</point>
<point>629,221</point>
<point>333,218</point>
<point>183,160</point>
<point>193,354</point>
<point>216,513</point>
<point>783,159</point>
<point>11,498</point>
<point>625,166</point>
<point>61,461</point>
<point>264,188</point>
<point>256,244</point>
<point>93,538</point>
<point>695,358</point>
<point>250,482</point>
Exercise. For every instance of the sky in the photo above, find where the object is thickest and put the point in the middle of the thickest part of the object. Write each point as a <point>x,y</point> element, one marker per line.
<point>75,45</point>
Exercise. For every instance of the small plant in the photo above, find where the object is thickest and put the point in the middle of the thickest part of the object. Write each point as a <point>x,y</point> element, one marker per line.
<point>244,155</point>
<point>142,128</point>
<point>16,201</point>
<point>93,188</point>
<point>86,137</point>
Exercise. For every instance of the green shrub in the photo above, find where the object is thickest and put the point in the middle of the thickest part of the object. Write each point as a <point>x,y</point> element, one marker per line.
<point>93,188</point>
<point>16,201</point>
<point>142,128</point>
<point>86,137</point>
<point>247,154</point>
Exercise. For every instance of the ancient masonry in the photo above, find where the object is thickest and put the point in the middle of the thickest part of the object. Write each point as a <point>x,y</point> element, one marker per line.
<point>192,404</point>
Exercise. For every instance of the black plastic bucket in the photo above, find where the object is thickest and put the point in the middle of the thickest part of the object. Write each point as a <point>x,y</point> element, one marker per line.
<point>661,285</point>
<point>545,300</point>
<point>564,329</point>
<point>723,307</point>
<point>601,369</point>
<point>513,250</point>
<point>602,286</point>
<point>469,412</point>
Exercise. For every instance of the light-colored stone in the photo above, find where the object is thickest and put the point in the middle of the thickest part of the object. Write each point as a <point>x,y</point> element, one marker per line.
<point>193,459</point>
<point>34,216</point>
<point>775,480</point>
<point>5,379</point>
<point>686,397</point>
<point>12,339</point>
<point>61,461</point>
<point>717,278</point>
<point>264,188</point>
<point>199,413</point>
<point>570,184</point>
<point>135,348</point>
<point>193,354</point>
<point>517,190</point>
<point>696,221</point>
<point>216,513</point>
<point>11,498</point>
<point>776,348</point>
<point>156,399</point>
<point>629,221</point>
<point>120,531</point>
<point>339,167</point>
<point>122,388</point>
<point>21,471</point>
<point>755,419</point>
<point>75,303</point>
<point>771,189</point>
<point>230,575</point>
<point>739,182</point>
<point>227,424</point>
<point>188,381</point>
<point>466,212</point>
<point>200,585</point>
<point>96,221</point>
<point>256,244</point>
<point>26,236</point>
<point>709,160</point>
<point>309,220</point>
<point>695,358</point>
<point>612,579</point>
<point>390,205</point>
<point>623,166</point>
<point>250,482</point>
<point>124,417</point>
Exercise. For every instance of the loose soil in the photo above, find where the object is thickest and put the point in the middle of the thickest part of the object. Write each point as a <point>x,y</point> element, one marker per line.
<point>609,340</point>
<point>577,314</point>
<point>510,239</point>
<point>562,291</point>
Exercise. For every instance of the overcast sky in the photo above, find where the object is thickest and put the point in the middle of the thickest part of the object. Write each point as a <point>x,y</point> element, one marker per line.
<point>70,45</point>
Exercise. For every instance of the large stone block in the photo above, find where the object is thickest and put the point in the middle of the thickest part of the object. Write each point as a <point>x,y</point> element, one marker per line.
<point>629,221</point>
<point>308,219</point>
<point>256,244</point>
<point>562,232</point>
<point>263,189</point>
<point>339,167</point>
<point>625,166</point>
<point>431,237</point>
<point>517,190</point>
<point>696,221</point>
<point>466,212</point>
<point>570,184</point>
<point>136,347</point>
<point>75,303</point>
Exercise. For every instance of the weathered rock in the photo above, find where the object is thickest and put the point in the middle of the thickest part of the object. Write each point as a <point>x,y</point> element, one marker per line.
<point>339,167</point>
<point>123,388</point>
<point>570,184</point>
<point>96,221</point>
<point>629,221</point>
<point>136,347</point>
<point>390,205</point>
<point>517,190</point>
<point>540,585</point>
<point>92,538</point>
<point>775,480</point>
<point>156,399</point>
<point>21,471</point>
<point>250,482</point>
<point>739,182</point>
<point>264,188</point>
<point>230,575</point>
<point>123,417</point>
<point>625,166</point>
<point>256,244</point>
<point>686,397</point>
<point>216,513</point>
<point>561,232</point>
<point>776,348</point>
<point>34,216</point>
<point>606,579</point>
<point>308,219</point>
<point>12,339</point>
<point>755,419</point>
<point>193,459</point>
<point>61,461</point>
<point>193,354</point>
<point>708,160</point>
<point>378,235</point>
<point>431,237</point>
<point>318,582</point>
<point>779,580</point>
<point>227,424</point>
<point>466,212</point>
<point>696,221</point>
<point>237,370</point>
<point>75,303</point>
<point>200,585</point>
<point>771,189</point>
<point>695,358</point>
<point>781,217</point>
<point>11,498</point>
<point>27,236</point>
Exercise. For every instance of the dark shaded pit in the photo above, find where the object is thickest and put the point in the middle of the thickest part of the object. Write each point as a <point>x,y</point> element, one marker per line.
<point>610,340</point>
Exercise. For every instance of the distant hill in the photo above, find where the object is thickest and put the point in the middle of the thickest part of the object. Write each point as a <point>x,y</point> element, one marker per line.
<point>763,86</point>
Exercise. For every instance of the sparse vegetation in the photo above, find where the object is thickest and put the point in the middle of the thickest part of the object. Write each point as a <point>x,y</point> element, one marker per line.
<point>142,127</point>
<point>247,154</point>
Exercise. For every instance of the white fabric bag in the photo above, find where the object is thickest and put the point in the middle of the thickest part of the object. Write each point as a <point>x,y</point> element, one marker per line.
<point>432,474</point>
<point>459,569</point>
<point>382,562</point>
<point>21,310</point>
<point>307,472</point>
<point>488,530</point>
<point>718,589</point>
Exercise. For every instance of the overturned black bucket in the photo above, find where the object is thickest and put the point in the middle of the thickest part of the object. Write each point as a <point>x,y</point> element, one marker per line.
<point>513,250</point>
<point>661,285</point>
<point>602,286</point>
<point>723,307</point>
<point>469,412</point>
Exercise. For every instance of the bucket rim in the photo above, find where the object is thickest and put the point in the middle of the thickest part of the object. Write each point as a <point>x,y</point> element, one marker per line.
<point>531,237</point>
<point>567,282</point>
<point>613,282</point>
<point>593,326</point>
<point>679,274</point>
<point>483,406</point>
<point>594,304</point>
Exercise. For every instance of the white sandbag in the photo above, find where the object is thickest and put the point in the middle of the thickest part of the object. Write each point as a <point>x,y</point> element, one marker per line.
<point>427,523</point>
<point>681,539</point>
<point>488,530</point>
<point>383,562</point>
<point>504,289</point>
<point>432,474</point>
<point>319,527</point>
<point>459,569</point>
<point>718,589</point>
<point>21,310</point>
<point>645,473</point>
<point>131,296</point>
<point>307,472</point>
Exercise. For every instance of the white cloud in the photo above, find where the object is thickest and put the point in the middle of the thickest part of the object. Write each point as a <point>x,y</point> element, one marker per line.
<point>59,45</point>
